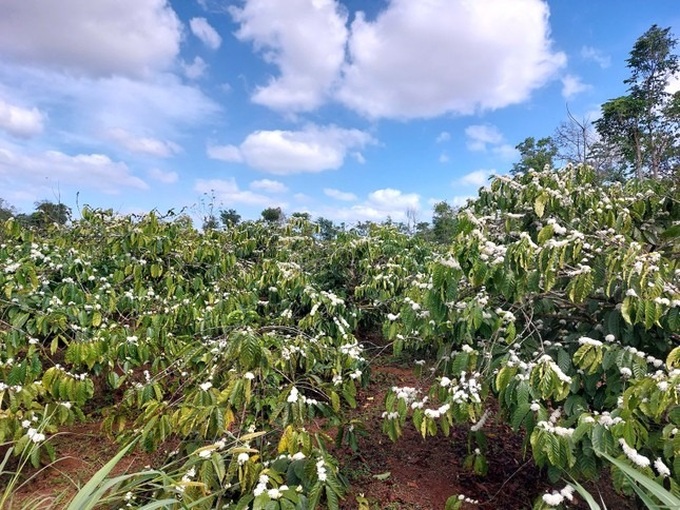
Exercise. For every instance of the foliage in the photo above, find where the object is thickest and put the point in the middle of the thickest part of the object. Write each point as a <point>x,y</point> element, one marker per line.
<point>642,125</point>
<point>442,223</point>
<point>560,297</point>
<point>536,154</point>
<point>230,218</point>
<point>553,295</point>
<point>230,341</point>
<point>272,215</point>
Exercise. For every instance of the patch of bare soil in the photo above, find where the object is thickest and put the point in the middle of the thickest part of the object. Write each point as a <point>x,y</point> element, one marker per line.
<point>424,473</point>
<point>81,451</point>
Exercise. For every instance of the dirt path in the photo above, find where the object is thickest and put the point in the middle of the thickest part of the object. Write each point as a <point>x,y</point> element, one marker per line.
<point>424,473</point>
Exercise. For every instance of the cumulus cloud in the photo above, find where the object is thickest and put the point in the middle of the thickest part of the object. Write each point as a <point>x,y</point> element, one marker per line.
<point>304,39</point>
<point>378,206</point>
<point>477,178</point>
<point>20,122</point>
<point>488,138</point>
<point>205,32</point>
<point>444,158</point>
<point>162,104</point>
<point>269,186</point>
<point>572,85</point>
<point>390,198</point>
<point>196,69</point>
<point>424,59</point>
<point>90,171</point>
<point>479,136</point>
<point>144,145</point>
<point>165,177</point>
<point>312,149</point>
<point>228,153</point>
<point>227,191</point>
<point>590,53</point>
<point>101,38</point>
<point>339,195</point>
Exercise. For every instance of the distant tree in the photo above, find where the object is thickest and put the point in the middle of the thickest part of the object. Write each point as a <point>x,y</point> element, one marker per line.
<point>423,231</point>
<point>53,212</point>
<point>327,229</point>
<point>230,218</point>
<point>411,220</point>
<point>6,210</point>
<point>302,215</point>
<point>443,223</point>
<point>644,125</point>
<point>46,213</point>
<point>535,154</point>
<point>210,222</point>
<point>272,215</point>
<point>363,228</point>
<point>574,140</point>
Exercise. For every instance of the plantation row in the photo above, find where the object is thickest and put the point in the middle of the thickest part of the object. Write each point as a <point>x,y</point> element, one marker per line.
<point>557,302</point>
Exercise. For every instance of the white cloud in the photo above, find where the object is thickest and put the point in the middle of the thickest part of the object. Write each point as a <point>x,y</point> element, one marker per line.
<point>444,158</point>
<point>505,151</point>
<point>269,186</point>
<point>89,171</point>
<point>359,157</point>
<point>477,178</point>
<point>572,85</point>
<point>460,200</point>
<point>481,135</point>
<point>144,145</point>
<point>165,177</point>
<point>227,191</point>
<point>444,136</point>
<point>673,84</point>
<point>229,153</point>
<point>162,104</point>
<point>196,69</point>
<point>424,59</point>
<point>304,39</point>
<point>390,198</point>
<point>20,122</point>
<point>313,149</point>
<point>378,206</point>
<point>590,53</point>
<point>206,33</point>
<point>339,195</point>
<point>101,38</point>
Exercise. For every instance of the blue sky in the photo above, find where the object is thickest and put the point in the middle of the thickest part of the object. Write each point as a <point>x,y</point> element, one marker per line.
<point>351,110</point>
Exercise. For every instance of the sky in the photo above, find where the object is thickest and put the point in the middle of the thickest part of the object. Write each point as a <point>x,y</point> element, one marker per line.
<point>347,109</point>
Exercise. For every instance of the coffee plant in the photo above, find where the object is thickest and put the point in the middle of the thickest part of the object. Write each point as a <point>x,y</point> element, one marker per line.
<point>555,307</point>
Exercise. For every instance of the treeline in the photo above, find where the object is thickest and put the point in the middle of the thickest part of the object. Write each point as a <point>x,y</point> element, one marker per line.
<point>439,230</point>
<point>45,213</point>
<point>636,135</point>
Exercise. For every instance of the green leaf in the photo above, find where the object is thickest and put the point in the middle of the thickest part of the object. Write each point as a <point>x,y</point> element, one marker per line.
<point>539,204</point>
<point>652,486</point>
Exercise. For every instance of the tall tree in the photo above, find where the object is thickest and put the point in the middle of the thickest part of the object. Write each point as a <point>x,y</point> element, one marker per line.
<point>574,139</point>
<point>272,215</point>
<point>535,154</point>
<point>644,124</point>
<point>443,222</point>
<point>46,213</point>
<point>230,218</point>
